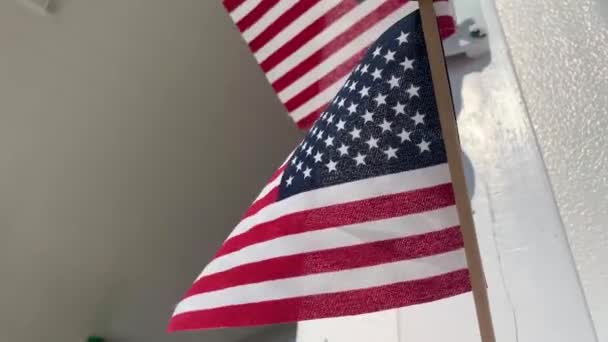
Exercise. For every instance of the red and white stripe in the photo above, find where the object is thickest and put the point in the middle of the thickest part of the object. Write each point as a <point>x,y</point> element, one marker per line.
<point>394,240</point>
<point>307,48</point>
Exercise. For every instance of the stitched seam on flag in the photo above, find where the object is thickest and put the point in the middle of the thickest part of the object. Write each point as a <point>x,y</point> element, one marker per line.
<point>334,237</point>
<point>357,190</point>
<point>381,207</point>
<point>327,305</point>
<point>344,280</point>
<point>327,260</point>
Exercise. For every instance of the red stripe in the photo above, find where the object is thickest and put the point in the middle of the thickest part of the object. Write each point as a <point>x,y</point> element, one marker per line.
<point>325,81</point>
<point>258,205</point>
<point>331,260</point>
<point>306,122</point>
<point>283,21</point>
<point>327,305</point>
<point>255,15</point>
<point>308,33</point>
<point>232,4</point>
<point>382,207</point>
<point>340,41</point>
<point>447,27</point>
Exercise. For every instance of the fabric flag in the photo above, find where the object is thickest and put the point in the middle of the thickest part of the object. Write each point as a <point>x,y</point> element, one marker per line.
<point>360,218</point>
<point>307,48</point>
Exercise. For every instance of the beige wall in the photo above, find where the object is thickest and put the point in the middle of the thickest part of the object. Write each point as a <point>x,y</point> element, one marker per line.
<point>129,145</point>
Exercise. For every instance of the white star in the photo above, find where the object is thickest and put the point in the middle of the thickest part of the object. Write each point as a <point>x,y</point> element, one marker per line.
<point>319,134</point>
<point>340,125</point>
<point>394,82</point>
<point>391,153</point>
<point>424,146</point>
<point>403,38</point>
<point>412,90</point>
<point>358,68</point>
<point>372,142</point>
<point>399,108</point>
<point>377,73</point>
<point>386,126</point>
<point>294,161</point>
<point>355,133</point>
<point>289,180</point>
<point>343,150</point>
<point>318,156</point>
<point>352,108</point>
<point>418,118</point>
<point>304,146</point>
<point>299,166</point>
<point>341,103</point>
<point>364,92</point>
<point>376,52</point>
<point>307,172</point>
<point>360,158</point>
<point>329,141</point>
<point>390,56</point>
<point>407,64</point>
<point>365,69</point>
<point>404,135</point>
<point>331,118</point>
<point>368,117</point>
<point>380,99</point>
<point>331,165</point>
<point>346,85</point>
<point>309,151</point>
<point>336,99</point>
<point>353,86</point>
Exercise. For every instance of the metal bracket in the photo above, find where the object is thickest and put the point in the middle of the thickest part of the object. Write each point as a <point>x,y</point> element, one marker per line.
<point>470,38</point>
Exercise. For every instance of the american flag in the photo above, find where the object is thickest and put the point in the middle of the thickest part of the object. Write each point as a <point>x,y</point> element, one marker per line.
<point>307,48</point>
<point>360,218</point>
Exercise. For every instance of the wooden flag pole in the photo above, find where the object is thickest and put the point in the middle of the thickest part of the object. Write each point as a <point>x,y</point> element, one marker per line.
<point>454,154</point>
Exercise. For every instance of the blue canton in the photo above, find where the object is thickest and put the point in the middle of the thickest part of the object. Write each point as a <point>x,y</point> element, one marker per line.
<point>383,120</point>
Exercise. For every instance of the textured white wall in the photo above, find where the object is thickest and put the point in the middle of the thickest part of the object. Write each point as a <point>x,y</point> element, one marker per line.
<point>560,52</point>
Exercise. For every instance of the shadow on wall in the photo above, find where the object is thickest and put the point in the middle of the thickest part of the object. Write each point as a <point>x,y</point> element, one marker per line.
<point>458,67</point>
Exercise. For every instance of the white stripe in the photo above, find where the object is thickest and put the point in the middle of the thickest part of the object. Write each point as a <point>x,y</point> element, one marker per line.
<point>443,8</point>
<point>344,236</point>
<point>268,188</point>
<point>295,28</point>
<point>329,282</point>
<point>268,18</point>
<point>347,192</point>
<point>345,53</point>
<point>318,100</point>
<point>320,40</point>
<point>243,9</point>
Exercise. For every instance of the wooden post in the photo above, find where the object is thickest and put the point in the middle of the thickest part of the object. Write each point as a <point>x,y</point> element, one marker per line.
<point>452,145</point>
